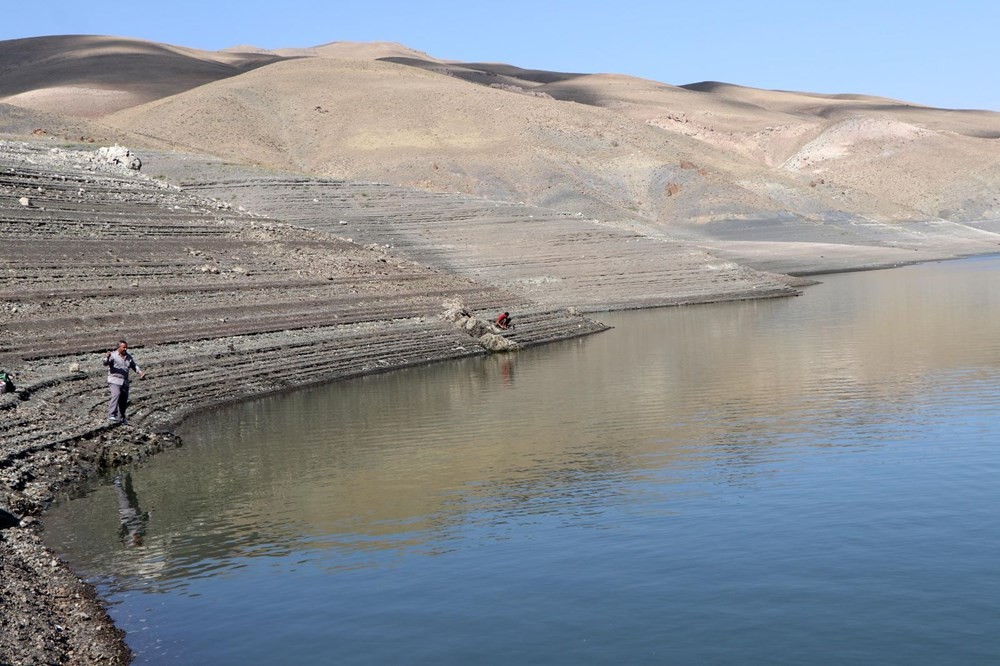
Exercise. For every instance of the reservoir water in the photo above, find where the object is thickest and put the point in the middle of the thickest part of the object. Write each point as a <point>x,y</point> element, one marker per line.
<point>803,480</point>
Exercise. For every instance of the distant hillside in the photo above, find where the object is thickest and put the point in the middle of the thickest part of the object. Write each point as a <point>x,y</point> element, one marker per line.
<point>90,76</point>
<point>607,145</point>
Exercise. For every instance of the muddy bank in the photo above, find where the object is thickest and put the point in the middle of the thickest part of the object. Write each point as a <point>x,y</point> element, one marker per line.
<point>47,614</point>
<point>217,304</point>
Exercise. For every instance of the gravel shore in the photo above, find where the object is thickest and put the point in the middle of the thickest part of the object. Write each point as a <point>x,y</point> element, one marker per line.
<point>213,299</point>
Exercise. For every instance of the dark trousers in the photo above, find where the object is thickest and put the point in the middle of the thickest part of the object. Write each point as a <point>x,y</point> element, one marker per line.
<point>118,402</point>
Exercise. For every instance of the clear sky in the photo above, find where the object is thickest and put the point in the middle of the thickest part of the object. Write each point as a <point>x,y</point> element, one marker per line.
<point>943,53</point>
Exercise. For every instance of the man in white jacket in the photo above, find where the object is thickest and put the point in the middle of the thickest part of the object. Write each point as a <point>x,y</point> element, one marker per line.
<point>119,363</point>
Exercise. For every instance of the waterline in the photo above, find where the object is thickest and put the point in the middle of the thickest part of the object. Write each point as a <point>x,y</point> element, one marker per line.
<point>779,481</point>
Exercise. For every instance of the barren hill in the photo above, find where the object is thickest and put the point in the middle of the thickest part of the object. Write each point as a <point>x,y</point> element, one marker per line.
<point>605,145</point>
<point>90,76</point>
<point>370,120</point>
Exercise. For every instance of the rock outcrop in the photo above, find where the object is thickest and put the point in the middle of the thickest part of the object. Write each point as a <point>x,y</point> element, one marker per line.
<point>120,155</point>
<point>489,336</point>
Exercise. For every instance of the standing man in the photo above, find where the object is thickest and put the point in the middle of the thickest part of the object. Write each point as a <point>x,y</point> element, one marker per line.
<point>119,363</point>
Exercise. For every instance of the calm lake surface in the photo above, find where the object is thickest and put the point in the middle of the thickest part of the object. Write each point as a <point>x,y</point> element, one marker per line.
<point>804,480</point>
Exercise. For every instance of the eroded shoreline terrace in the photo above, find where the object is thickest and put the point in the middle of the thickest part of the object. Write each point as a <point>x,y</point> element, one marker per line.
<point>213,301</point>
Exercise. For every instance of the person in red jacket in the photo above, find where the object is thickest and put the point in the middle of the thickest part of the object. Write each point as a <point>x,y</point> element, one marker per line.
<point>503,321</point>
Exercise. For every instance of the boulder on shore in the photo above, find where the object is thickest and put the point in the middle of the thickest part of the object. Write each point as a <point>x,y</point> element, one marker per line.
<point>119,155</point>
<point>497,343</point>
<point>485,332</point>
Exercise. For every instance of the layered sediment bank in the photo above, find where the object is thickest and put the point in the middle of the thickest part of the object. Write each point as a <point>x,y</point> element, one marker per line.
<point>222,304</point>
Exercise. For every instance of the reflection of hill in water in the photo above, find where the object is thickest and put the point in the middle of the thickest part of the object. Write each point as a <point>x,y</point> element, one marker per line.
<point>680,398</point>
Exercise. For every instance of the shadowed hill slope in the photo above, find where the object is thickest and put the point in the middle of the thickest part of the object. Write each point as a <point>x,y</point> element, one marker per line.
<point>90,76</point>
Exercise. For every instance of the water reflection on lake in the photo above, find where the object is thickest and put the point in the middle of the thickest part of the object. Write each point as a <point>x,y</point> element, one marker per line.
<point>785,481</point>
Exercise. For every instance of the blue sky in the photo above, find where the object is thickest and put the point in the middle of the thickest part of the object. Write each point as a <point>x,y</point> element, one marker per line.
<point>936,53</point>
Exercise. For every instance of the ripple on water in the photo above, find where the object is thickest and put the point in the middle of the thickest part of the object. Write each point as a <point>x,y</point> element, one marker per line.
<point>791,481</point>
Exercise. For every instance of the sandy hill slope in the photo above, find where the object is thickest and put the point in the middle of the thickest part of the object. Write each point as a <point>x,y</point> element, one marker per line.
<point>85,75</point>
<point>360,50</point>
<point>862,155</point>
<point>370,120</point>
<point>605,145</point>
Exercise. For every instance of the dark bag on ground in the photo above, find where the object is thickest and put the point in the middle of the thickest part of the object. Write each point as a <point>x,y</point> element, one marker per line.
<point>6,382</point>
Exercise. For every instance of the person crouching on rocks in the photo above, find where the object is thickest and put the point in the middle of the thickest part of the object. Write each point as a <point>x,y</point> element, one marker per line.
<point>503,321</point>
<point>119,363</point>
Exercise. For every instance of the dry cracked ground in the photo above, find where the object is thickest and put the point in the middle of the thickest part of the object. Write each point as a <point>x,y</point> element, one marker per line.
<point>322,280</point>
